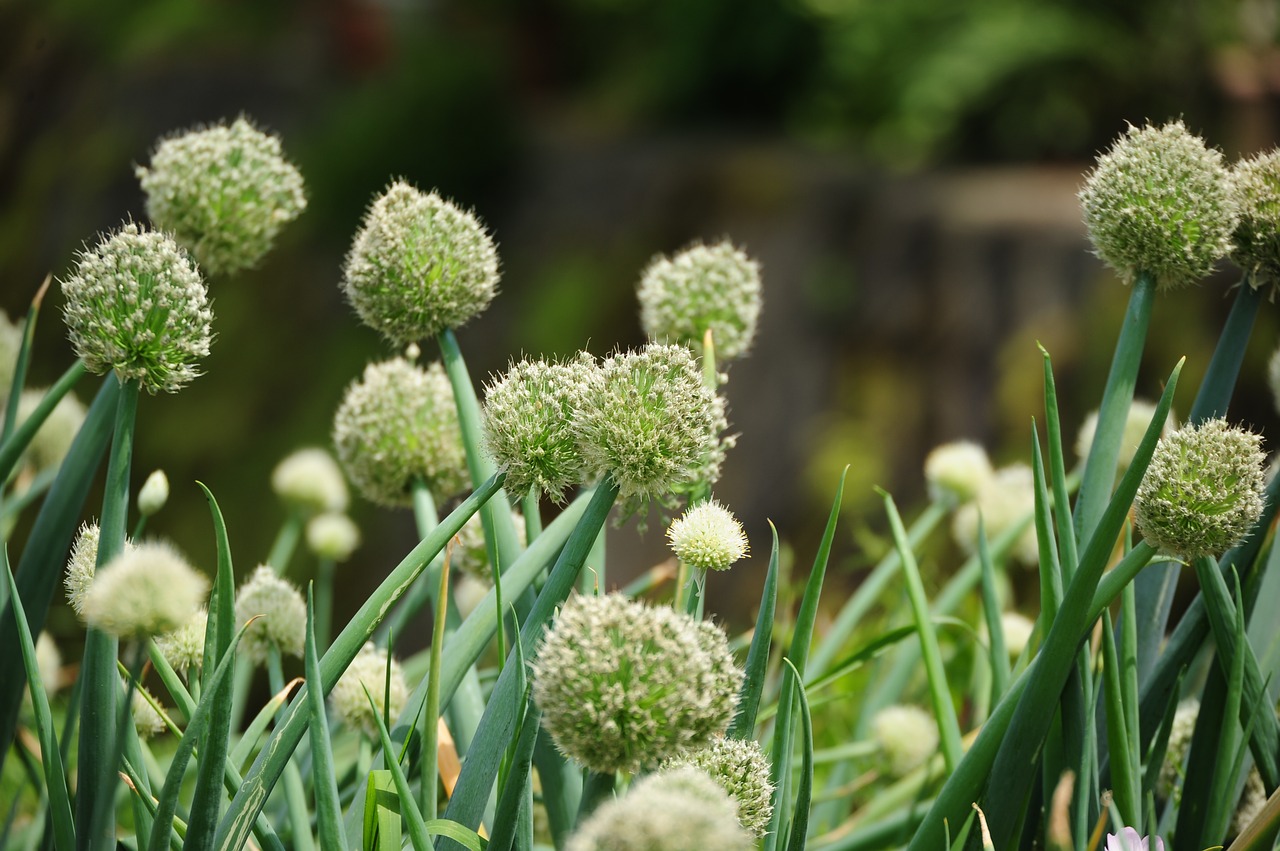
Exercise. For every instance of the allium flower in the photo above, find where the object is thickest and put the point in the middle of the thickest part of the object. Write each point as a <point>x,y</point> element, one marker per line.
<point>708,537</point>
<point>419,265</point>
<point>1255,184</point>
<point>148,590</point>
<point>468,592</point>
<point>680,810</point>
<point>907,736</point>
<point>623,685</point>
<point>1158,202</point>
<point>1139,417</point>
<point>183,648</point>
<point>704,287</point>
<point>1017,631</point>
<point>136,304</point>
<point>956,472</point>
<point>396,425</point>
<point>333,536</point>
<point>529,424</point>
<point>311,481</point>
<point>1129,839</point>
<point>53,439</point>
<point>1175,753</point>
<point>146,720</point>
<point>153,494</point>
<point>82,564</point>
<point>646,419</point>
<point>1007,499</point>
<point>369,671</point>
<point>10,345</point>
<point>224,192</point>
<point>1203,490</point>
<point>740,768</point>
<point>280,611</point>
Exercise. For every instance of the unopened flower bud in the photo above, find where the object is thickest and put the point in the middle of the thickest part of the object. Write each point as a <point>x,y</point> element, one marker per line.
<point>310,481</point>
<point>397,425</point>
<point>49,662</point>
<point>907,736</point>
<point>224,192</point>
<point>419,265</point>
<point>1203,490</point>
<point>137,304</point>
<point>333,536</point>
<point>147,590</point>
<point>280,611</point>
<point>705,287</point>
<point>153,494</point>
<point>1158,202</point>
<point>956,472</point>
<point>369,671</point>
<point>708,537</point>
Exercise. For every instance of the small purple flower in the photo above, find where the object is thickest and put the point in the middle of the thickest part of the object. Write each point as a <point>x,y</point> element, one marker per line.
<point>1130,840</point>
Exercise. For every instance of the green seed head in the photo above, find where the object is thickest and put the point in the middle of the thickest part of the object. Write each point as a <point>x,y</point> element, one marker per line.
<point>678,810</point>
<point>708,537</point>
<point>332,535</point>
<point>183,648</point>
<point>399,424</point>
<point>223,192</point>
<point>280,611</point>
<point>623,686</point>
<point>646,419</point>
<point>1158,202</point>
<point>956,472</point>
<point>705,287</point>
<point>145,591</point>
<point>136,304</point>
<point>529,417</point>
<point>369,671</point>
<point>740,768</point>
<point>419,265</point>
<point>310,481</point>
<point>1203,491</point>
<point>907,736</point>
<point>1255,185</point>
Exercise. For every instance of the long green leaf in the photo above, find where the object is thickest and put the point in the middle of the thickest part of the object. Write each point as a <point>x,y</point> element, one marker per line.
<point>408,807</point>
<point>1067,555</point>
<point>804,789</point>
<point>744,721</point>
<point>991,612</point>
<point>323,778</point>
<point>16,443</point>
<point>64,834</point>
<point>39,571</point>
<point>506,817</point>
<point>1128,798</point>
<point>16,384</point>
<point>206,801</point>
<point>236,823</point>
<point>1224,367</point>
<point>471,793</point>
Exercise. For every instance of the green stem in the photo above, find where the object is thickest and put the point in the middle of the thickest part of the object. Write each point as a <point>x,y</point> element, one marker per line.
<point>532,516</point>
<point>596,789</point>
<point>295,794</point>
<point>431,711</point>
<point>1224,367</point>
<point>97,761</point>
<point>286,542</point>
<point>323,591</point>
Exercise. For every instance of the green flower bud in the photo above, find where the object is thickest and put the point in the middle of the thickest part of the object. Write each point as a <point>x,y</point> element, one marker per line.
<point>333,536</point>
<point>153,494</point>
<point>1007,499</point>
<point>1255,185</point>
<point>82,565</point>
<point>708,537</point>
<point>679,810</point>
<point>646,419</point>
<point>183,648</point>
<point>144,591</point>
<point>1140,415</point>
<point>369,671</point>
<point>419,265</point>
<point>399,424</point>
<point>310,481</point>
<point>223,192</point>
<point>136,304</point>
<point>739,768</point>
<point>280,611</point>
<point>957,472</point>
<point>623,685</point>
<point>529,424</point>
<point>1203,491</point>
<point>705,287</point>
<point>53,439</point>
<point>1158,202</point>
<point>907,736</point>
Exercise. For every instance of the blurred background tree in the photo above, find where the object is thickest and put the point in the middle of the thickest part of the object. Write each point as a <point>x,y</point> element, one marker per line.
<point>904,170</point>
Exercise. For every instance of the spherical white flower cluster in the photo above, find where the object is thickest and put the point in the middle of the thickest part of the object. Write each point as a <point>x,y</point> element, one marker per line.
<point>53,439</point>
<point>369,671</point>
<point>705,287</point>
<point>956,472</point>
<point>1005,500</point>
<point>146,720</point>
<point>333,536</point>
<point>136,304</point>
<point>82,565</point>
<point>398,424</point>
<point>740,768</point>
<point>1140,415</point>
<point>708,537</point>
<point>1255,185</point>
<point>419,265</point>
<point>145,591</point>
<point>907,736</point>
<point>224,192</point>
<point>183,648</point>
<point>310,481</point>
<point>280,611</point>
